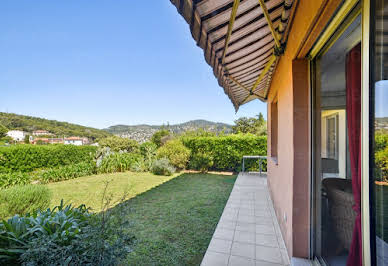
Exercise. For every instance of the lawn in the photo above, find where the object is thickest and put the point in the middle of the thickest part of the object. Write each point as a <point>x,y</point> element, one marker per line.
<point>88,190</point>
<point>174,222</point>
<point>172,218</point>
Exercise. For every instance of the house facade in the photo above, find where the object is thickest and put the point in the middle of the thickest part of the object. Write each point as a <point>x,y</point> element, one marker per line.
<point>42,133</point>
<point>17,135</point>
<point>321,67</point>
<point>74,141</point>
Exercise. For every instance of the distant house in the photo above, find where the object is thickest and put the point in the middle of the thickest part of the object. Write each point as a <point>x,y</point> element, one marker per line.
<point>74,141</point>
<point>17,135</point>
<point>46,140</point>
<point>41,133</point>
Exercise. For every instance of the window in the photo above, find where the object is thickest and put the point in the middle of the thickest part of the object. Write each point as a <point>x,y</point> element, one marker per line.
<point>332,137</point>
<point>274,129</point>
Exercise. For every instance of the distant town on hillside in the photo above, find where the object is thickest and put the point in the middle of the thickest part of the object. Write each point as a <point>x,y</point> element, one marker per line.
<point>142,133</point>
<point>22,128</point>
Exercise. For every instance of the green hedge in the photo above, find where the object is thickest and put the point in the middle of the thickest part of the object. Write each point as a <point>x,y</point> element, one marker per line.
<point>27,158</point>
<point>227,151</point>
<point>67,172</point>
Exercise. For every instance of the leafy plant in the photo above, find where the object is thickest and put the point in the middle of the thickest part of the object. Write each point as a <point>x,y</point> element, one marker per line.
<point>162,167</point>
<point>23,199</point>
<point>140,166</point>
<point>67,172</point>
<point>14,178</point>
<point>175,152</point>
<point>117,144</point>
<point>201,161</point>
<point>148,151</point>
<point>118,162</point>
<point>66,235</point>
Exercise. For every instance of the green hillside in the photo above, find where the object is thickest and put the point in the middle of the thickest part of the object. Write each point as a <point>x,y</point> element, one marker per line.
<point>177,128</point>
<point>29,124</point>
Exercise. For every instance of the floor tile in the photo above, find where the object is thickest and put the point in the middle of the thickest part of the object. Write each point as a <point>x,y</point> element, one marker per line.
<point>246,227</point>
<point>263,220</point>
<point>248,232</point>
<point>222,233</point>
<point>265,229</point>
<point>240,261</point>
<point>215,259</point>
<point>268,254</point>
<point>246,218</point>
<point>286,258</point>
<point>227,225</point>
<point>220,245</point>
<point>247,212</point>
<point>266,240</point>
<point>243,250</point>
<point>244,237</point>
<point>266,263</point>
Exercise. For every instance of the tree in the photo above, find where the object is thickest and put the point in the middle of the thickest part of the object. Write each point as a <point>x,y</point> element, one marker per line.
<point>159,135</point>
<point>120,144</point>
<point>27,139</point>
<point>3,131</point>
<point>252,125</point>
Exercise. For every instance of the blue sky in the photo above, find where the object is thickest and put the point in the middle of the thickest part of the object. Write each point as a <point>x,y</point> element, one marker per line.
<point>100,63</point>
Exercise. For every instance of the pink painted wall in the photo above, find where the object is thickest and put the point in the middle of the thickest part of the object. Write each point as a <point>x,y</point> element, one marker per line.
<point>289,173</point>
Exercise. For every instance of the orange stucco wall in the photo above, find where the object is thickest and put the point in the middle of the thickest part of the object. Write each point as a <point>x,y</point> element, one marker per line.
<point>288,174</point>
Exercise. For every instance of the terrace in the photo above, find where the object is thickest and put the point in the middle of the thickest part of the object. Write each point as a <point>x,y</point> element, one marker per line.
<point>248,232</point>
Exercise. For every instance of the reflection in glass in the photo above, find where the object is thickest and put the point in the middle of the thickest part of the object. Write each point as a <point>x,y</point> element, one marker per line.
<point>337,99</point>
<point>380,149</point>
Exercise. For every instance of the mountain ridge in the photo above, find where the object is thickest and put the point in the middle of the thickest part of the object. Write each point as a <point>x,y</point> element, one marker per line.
<point>143,132</point>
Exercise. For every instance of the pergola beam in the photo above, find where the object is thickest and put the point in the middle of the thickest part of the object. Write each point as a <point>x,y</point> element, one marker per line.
<point>265,70</point>
<point>269,21</point>
<point>230,28</point>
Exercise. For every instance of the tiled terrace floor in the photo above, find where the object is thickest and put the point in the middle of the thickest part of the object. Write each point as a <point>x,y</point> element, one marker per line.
<point>248,232</point>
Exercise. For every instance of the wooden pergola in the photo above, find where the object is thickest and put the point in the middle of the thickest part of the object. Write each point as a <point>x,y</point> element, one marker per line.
<point>242,41</point>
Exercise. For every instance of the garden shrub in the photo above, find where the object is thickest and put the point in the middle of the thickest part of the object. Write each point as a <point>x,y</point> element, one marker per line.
<point>13,179</point>
<point>162,167</point>
<point>67,172</point>
<point>158,136</point>
<point>23,199</point>
<point>27,158</point>
<point>227,151</point>
<point>120,144</point>
<point>201,161</point>
<point>381,158</point>
<point>381,141</point>
<point>140,166</point>
<point>148,151</point>
<point>118,162</point>
<point>175,152</point>
<point>64,236</point>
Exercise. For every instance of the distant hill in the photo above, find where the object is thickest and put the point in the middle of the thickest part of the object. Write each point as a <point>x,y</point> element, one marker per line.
<point>29,124</point>
<point>381,123</point>
<point>143,132</point>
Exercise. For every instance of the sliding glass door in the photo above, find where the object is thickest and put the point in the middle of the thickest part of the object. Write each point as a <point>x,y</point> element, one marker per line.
<point>336,145</point>
<point>379,131</point>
